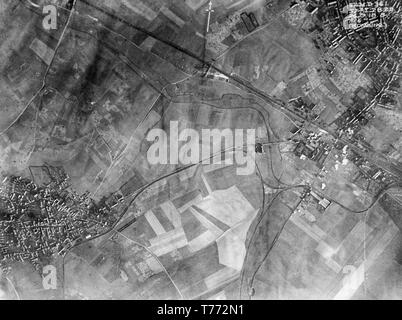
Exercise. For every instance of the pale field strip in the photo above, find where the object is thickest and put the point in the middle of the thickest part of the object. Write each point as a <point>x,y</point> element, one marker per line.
<point>42,51</point>
<point>220,277</point>
<point>354,238</point>
<point>141,9</point>
<point>154,223</point>
<point>209,190</point>
<point>215,280</point>
<point>207,223</point>
<point>201,241</point>
<point>173,17</point>
<point>236,3</point>
<point>221,295</point>
<point>148,44</point>
<point>172,213</point>
<point>168,242</point>
<point>195,4</point>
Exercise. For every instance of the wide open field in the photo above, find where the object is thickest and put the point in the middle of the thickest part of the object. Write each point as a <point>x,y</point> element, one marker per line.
<point>271,55</point>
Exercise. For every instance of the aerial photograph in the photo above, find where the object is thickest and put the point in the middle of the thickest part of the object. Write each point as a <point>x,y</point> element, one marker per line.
<point>200,150</point>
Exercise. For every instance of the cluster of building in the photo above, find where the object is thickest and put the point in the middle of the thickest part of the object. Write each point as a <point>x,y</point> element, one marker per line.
<point>250,21</point>
<point>374,48</point>
<point>39,221</point>
<point>373,51</point>
<point>311,146</point>
<point>369,177</point>
<point>303,109</point>
<point>313,204</point>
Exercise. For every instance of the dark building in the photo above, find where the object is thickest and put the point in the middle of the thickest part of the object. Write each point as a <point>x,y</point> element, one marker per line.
<point>247,21</point>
